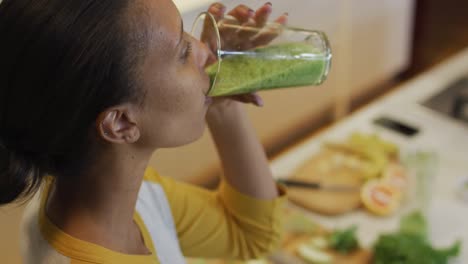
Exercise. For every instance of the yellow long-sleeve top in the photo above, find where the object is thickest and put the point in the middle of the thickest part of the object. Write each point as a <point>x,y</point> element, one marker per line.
<point>177,220</point>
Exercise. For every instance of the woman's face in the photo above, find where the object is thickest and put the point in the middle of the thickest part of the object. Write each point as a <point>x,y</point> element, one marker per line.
<point>174,80</point>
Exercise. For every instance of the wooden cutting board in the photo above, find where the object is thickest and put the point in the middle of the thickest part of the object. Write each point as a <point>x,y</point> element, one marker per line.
<point>360,256</point>
<point>328,167</point>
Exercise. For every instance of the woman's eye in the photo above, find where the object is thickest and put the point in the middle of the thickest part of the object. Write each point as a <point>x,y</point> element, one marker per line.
<point>187,51</point>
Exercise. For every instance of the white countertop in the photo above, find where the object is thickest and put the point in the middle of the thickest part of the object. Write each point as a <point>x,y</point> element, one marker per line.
<point>449,139</point>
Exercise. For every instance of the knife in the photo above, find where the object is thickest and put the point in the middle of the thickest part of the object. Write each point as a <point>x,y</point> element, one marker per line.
<point>319,186</point>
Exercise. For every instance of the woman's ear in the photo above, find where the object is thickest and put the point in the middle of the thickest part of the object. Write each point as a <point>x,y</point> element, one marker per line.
<point>118,124</point>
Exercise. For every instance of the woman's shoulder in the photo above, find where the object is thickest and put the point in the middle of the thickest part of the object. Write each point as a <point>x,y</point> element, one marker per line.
<point>34,247</point>
<point>42,242</point>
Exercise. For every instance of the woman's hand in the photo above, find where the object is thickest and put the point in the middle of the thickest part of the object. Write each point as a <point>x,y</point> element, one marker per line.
<point>233,38</point>
<point>233,28</point>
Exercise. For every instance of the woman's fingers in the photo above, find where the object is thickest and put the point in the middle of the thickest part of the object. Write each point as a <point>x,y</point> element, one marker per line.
<point>208,36</point>
<point>228,32</point>
<point>257,99</point>
<point>217,10</point>
<point>262,14</point>
<point>242,13</point>
<point>250,28</point>
<point>240,30</point>
<point>250,98</point>
<point>258,21</point>
<point>271,32</point>
<point>247,30</point>
<point>230,28</point>
<point>283,19</point>
<point>254,25</point>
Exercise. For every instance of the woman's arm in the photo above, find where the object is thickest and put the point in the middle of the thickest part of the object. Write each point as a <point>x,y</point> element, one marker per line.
<point>244,162</point>
<point>245,166</point>
<point>223,223</point>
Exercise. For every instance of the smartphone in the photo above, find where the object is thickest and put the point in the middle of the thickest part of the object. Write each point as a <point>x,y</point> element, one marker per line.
<point>396,126</point>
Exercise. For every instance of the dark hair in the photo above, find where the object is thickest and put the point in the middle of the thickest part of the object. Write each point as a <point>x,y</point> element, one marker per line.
<point>62,62</point>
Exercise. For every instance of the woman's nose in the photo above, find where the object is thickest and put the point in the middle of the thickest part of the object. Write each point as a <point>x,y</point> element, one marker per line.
<point>205,55</point>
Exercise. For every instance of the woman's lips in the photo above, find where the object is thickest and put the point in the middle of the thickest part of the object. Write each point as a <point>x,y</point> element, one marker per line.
<point>208,100</point>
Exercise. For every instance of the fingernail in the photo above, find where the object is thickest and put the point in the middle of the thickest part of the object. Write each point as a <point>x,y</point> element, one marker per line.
<point>269,3</point>
<point>219,7</point>
<point>258,101</point>
<point>251,12</point>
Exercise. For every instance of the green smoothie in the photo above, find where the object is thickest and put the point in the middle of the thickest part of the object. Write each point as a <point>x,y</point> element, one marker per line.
<point>275,66</point>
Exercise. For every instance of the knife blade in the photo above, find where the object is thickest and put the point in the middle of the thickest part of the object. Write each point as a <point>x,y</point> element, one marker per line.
<point>319,186</point>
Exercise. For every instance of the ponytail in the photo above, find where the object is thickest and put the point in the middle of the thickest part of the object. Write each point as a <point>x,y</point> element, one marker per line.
<point>20,178</point>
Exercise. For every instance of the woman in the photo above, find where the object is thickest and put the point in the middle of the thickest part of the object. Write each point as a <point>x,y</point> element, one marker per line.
<point>89,90</point>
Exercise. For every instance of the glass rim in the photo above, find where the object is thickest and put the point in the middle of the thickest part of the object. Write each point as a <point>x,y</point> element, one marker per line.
<point>201,18</point>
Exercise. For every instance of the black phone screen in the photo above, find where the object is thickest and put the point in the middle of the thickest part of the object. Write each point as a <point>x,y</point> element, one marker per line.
<point>396,126</point>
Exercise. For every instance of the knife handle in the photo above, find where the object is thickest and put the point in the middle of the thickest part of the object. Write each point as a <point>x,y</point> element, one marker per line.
<point>293,183</point>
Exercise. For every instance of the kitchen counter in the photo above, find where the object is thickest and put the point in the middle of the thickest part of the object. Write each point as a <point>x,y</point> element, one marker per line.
<point>447,213</point>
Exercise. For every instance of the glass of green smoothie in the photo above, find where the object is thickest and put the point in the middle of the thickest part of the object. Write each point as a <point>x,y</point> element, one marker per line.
<point>277,56</point>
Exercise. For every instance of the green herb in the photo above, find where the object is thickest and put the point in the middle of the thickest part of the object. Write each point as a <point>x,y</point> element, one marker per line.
<point>414,223</point>
<point>410,245</point>
<point>344,241</point>
<point>404,248</point>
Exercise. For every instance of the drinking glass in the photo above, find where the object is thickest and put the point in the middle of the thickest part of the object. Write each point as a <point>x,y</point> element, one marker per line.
<point>253,58</point>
